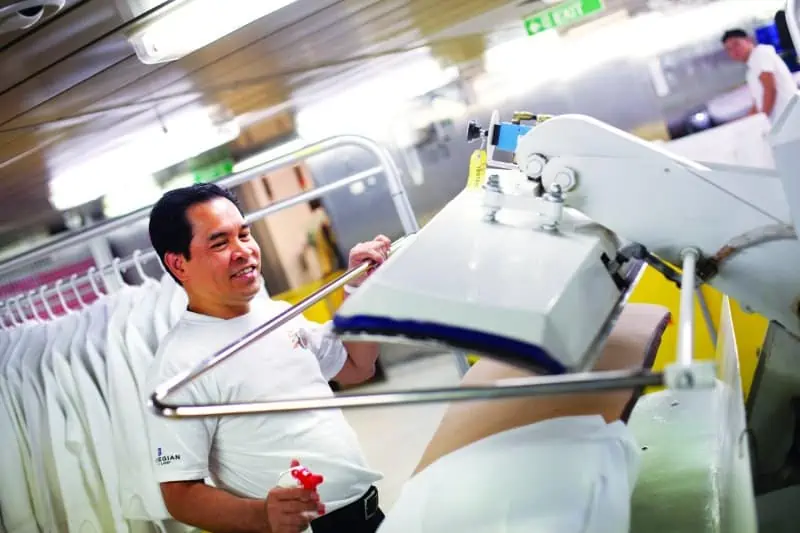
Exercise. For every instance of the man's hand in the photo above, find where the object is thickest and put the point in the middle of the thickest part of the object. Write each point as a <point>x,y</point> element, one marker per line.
<point>290,510</point>
<point>375,251</point>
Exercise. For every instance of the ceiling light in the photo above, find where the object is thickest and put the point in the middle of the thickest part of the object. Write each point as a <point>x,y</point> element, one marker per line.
<point>269,154</point>
<point>193,24</point>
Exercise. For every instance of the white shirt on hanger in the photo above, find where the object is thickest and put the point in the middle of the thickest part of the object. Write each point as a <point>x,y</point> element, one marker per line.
<point>15,500</point>
<point>140,495</point>
<point>245,455</point>
<point>95,410</point>
<point>77,476</point>
<point>38,429</point>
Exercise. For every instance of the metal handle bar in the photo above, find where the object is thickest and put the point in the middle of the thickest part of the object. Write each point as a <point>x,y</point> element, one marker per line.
<point>390,170</point>
<point>175,383</point>
<point>584,382</point>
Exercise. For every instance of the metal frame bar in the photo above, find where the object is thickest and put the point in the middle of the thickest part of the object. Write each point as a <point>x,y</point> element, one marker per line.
<point>686,310</point>
<point>175,383</point>
<point>386,166</point>
<point>578,382</point>
<point>712,332</point>
<point>584,382</point>
<point>791,23</point>
<point>392,174</point>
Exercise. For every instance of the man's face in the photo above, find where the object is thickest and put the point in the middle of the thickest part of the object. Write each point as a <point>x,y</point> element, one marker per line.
<point>739,48</point>
<point>224,271</point>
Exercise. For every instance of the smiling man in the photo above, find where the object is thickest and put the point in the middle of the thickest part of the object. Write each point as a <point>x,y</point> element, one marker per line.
<point>201,236</point>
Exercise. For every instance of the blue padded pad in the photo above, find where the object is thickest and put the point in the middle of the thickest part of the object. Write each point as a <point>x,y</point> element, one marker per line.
<point>509,350</point>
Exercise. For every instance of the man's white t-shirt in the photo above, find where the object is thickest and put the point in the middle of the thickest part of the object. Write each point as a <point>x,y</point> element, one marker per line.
<point>762,59</point>
<point>245,454</point>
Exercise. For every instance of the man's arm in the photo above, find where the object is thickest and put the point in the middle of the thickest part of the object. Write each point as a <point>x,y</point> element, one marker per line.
<point>212,509</point>
<point>360,363</point>
<point>361,356</point>
<point>767,80</point>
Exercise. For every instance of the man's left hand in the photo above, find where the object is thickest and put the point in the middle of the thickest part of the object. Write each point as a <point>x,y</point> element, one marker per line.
<point>375,251</point>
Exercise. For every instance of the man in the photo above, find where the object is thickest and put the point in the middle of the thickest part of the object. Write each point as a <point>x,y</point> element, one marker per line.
<point>768,78</point>
<point>203,241</point>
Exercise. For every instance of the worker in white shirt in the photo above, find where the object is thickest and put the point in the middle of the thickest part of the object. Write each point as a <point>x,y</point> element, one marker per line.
<point>769,79</point>
<point>202,238</point>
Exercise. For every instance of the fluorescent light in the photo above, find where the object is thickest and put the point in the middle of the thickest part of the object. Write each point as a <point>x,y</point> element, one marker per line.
<point>153,148</point>
<point>269,154</point>
<point>194,24</point>
<point>382,95</point>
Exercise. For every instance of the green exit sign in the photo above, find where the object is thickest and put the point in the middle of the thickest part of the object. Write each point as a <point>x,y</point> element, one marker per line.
<point>562,15</point>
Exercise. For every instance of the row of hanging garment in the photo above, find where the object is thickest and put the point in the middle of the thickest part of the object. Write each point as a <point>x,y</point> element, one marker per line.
<point>74,452</point>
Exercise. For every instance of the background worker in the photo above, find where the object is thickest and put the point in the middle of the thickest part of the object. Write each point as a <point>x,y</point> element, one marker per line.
<point>769,79</point>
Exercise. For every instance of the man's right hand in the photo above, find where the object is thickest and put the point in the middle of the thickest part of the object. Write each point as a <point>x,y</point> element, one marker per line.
<point>289,510</point>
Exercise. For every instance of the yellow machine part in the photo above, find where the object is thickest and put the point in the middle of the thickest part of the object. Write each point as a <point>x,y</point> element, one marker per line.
<point>321,311</point>
<point>652,288</point>
<point>750,328</point>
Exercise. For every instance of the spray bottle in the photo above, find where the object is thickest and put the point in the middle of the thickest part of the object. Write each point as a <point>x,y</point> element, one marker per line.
<point>299,476</point>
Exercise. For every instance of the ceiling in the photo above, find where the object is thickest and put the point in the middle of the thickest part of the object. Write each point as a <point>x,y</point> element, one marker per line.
<point>72,82</point>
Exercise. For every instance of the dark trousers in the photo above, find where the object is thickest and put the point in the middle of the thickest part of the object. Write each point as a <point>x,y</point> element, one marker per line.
<point>362,516</point>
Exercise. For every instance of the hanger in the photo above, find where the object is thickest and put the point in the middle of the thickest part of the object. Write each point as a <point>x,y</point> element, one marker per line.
<point>47,309</point>
<point>93,282</point>
<point>61,299</point>
<point>138,264</point>
<point>36,317</point>
<point>73,283</point>
<point>22,317</point>
<point>118,271</point>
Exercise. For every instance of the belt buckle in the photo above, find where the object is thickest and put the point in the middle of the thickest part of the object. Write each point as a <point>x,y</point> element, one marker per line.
<point>371,504</point>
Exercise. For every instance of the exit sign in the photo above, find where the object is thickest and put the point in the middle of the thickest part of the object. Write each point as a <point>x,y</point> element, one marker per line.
<point>562,15</point>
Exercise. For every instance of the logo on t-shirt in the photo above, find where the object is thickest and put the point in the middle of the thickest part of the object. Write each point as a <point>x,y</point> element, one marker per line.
<point>299,339</point>
<point>163,459</point>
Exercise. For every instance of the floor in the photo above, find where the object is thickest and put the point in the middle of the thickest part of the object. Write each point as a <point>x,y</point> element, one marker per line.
<point>394,437</point>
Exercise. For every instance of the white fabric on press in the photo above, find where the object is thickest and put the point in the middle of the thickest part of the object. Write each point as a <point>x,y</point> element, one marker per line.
<point>567,475</point>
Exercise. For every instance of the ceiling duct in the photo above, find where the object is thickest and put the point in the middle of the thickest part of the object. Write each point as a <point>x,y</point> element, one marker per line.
<point>25,14</point>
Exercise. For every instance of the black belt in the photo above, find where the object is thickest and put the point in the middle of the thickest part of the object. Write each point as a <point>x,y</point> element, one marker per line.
<point>362,516</point>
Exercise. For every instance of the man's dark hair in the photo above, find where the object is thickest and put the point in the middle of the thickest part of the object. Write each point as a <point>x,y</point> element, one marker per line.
<point>170,230</point>
<point>735,33</point>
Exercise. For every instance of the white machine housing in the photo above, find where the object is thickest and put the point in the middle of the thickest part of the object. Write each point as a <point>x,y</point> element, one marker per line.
<point>478,267</point>
<point>667,203</point>
<point>543,298</point>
